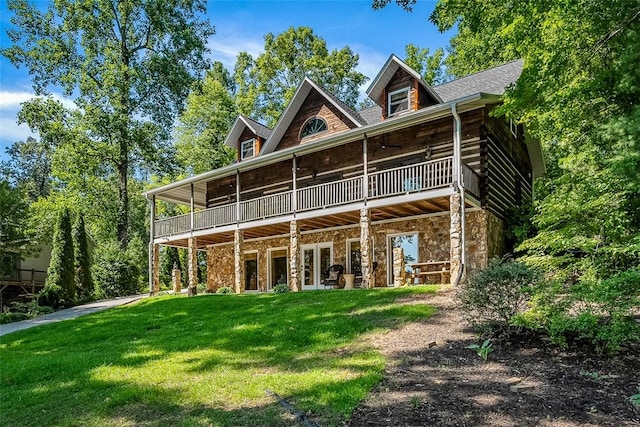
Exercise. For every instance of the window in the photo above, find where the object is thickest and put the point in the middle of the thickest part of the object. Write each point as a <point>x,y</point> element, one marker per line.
<point>313,126</point>
<point>398,101</point>
<point>513,126</point>
<point>247,148</point>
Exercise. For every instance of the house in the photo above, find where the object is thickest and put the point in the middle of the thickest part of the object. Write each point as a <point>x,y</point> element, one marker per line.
<point>20,276</point>
<point>427,174</point>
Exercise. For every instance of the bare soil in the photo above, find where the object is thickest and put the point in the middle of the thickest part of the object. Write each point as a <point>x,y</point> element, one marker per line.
<point>434,380</point>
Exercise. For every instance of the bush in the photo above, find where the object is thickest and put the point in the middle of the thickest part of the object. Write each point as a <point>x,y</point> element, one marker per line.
<point>115,274</point>
<point>281,288</point>
<point>52,295</point>
<point>595,311</point>
<point>491,298</point>
<point>224,290</point>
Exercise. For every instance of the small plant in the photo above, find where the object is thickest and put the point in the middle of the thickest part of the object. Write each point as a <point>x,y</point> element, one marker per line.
<point>596,376</point>
<point>224,290</point>
<point>281,288</point>
<point>415,403</point>
<point>482,350</point>
<point>635,399</point>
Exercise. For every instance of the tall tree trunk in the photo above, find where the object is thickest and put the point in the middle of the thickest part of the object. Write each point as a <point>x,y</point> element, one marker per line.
<point>123,194</point>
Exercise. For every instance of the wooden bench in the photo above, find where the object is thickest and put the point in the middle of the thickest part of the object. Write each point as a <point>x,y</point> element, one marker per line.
<point>422,271</point>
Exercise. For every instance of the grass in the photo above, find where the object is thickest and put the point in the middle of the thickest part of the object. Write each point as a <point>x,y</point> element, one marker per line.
<point>202,361</point>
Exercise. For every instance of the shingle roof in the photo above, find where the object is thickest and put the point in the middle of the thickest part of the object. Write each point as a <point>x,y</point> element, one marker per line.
<point>261,130</point>
<point>371,115</point>
<point>492,81</point>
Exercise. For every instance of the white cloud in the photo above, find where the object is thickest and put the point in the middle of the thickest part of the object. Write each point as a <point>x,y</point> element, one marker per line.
<point>12,100</point>
<point>225,48</point>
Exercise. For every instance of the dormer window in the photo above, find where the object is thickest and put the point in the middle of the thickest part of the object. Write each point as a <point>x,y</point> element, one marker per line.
<point>247,149</point>
<point>398,101</point>
<point>513,127</point>
<point>314,125</point>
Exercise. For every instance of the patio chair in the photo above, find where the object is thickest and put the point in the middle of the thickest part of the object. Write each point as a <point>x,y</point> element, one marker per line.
<point>334,274</point>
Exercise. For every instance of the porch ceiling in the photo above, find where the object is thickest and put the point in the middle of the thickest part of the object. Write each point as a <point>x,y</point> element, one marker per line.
<point>385,213</point>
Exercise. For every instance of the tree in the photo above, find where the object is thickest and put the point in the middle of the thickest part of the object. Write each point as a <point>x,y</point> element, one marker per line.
<point>170,260</point>
<point>267,84</point>
<point>82,259</point>
<point>59,288</point>
<point>29,167</point>
<point>430,67</point>
<point>130,65</point>
<point>205,123</point>
<point>577,95</point>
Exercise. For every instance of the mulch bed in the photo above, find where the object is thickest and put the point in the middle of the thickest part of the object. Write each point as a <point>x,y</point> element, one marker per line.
<point>434,380</point>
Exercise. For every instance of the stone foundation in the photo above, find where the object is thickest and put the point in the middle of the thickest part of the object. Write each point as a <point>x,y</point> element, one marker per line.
<point>484,237</point>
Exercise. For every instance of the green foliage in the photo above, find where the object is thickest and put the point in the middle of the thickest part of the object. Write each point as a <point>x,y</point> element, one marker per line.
<point>482,350</point>
<point>430,66</point>
<point>597,312</point>
<point>22,311</point>
<point>29,167</point>
<point>169,260</point>
<point>14,213</point>
<point>114,272</point>
<point>282,288</point>
<point>266,85</point>
<point>82,261</point>
<point>130,66</point>
<point>205,123</point>
<point>224,290</point>
<point>491,298</point>
<point>60,285</point>
<point>635,399</point>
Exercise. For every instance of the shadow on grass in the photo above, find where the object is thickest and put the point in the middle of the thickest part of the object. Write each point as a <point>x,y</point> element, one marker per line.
<point>204,360</point>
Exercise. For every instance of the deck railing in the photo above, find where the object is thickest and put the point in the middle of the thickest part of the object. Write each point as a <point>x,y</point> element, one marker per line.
<point>330,194</point>
<point>385,183</point>
<point>266,207</point>
<point>471,180</point>
<point>412,178</point>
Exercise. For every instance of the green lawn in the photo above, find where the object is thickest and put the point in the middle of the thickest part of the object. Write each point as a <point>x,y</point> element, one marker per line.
<point>201,361</point>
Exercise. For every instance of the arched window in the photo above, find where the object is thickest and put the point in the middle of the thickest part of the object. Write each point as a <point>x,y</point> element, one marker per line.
<point>313,126</point>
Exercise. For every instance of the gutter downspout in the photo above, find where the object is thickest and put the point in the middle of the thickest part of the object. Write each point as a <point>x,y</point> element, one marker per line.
<point>457,147</point>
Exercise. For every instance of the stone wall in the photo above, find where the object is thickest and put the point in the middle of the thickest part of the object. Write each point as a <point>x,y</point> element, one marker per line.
<point>484,237</point>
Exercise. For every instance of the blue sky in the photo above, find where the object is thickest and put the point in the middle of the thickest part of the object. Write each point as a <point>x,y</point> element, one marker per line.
<point>241,25</point>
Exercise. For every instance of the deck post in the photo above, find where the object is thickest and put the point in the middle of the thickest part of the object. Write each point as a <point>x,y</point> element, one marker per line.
<point>152,232</point>
<point>365,169</point>
<point>193,266</point>
<point>294,186</point>
<point>192,207</point>
<point>455,235</point>
<point>238,261</point>
<point>295,257</point>
<point>366,256</point>
<point>155,270</point>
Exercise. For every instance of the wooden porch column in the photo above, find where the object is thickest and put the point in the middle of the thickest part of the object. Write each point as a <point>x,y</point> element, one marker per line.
<point>193,266</point>
<point>455,235</point>
<point>238,261</point>
<point>155,269</point>
<point>295,258</point>
<point>152,234</point>
<point>366,257</point>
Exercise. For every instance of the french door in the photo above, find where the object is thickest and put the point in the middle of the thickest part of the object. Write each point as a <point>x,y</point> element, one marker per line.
<point>316,260</point>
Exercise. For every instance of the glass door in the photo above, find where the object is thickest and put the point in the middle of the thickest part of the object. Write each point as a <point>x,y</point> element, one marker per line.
<point>316,260</point>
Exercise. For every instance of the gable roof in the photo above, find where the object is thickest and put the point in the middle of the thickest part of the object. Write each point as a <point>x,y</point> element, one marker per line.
<point>238,126</point>
<point>493,81</point>
<point>294,106</point>
<point>386,74</point>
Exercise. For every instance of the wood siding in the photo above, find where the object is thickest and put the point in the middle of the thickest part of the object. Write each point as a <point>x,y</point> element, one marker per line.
<point>314,105</point>
<point>419,97</point>
<point>507,169</point>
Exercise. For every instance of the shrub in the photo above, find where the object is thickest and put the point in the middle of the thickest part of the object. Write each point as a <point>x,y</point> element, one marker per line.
<point>60,286</point>
<point>281,288</point>
<point>224,290</point>
<point>596,311</point>
<point>491,298</point>
<point>82,262</point>
<point>114,272</point>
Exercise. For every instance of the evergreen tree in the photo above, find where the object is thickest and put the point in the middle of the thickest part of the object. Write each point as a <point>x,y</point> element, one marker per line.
<point>60,288</point>
<point>82,259</point>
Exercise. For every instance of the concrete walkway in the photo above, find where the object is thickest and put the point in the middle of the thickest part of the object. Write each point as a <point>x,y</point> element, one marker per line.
<point>69,313</point>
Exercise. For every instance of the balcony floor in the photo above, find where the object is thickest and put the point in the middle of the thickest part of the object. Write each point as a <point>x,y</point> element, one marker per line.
<point>317,222</point>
